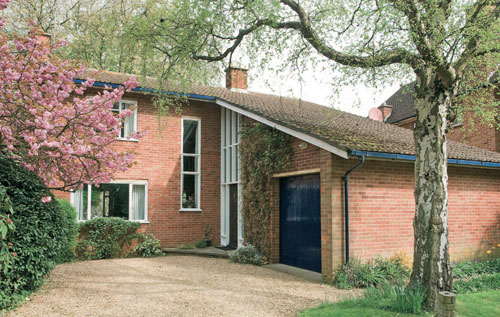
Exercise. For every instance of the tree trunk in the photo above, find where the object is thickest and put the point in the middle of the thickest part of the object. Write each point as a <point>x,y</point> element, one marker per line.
<point>431,261</point>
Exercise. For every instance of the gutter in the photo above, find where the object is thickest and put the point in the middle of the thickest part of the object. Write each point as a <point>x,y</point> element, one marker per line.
<point>346,203</point>
<point>148,90</point>
<point>405,157</point>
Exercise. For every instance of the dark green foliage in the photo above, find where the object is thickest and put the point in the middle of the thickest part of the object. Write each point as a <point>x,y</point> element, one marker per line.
<point>201,244</point>
<point>104,238</point>
<point>6,228</point>
<point>39,235</point>
<point>477,284</point>
<point>246,255</point>
<point>149,246</point>
<point>71,232</point>
<point>264,151</point>
<point>396,297</point>
<point>470,268</point>
<point>372,273</point>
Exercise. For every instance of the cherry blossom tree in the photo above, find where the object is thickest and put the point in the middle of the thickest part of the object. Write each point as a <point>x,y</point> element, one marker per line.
<point>48,123</point>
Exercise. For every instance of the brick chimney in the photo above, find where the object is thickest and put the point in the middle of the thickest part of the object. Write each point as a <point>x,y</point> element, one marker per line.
<point>386,110</point>
<point>236,78</point>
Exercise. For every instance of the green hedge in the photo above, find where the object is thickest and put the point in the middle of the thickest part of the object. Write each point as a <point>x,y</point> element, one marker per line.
<point>71,232</point>
<point>104,238</point>
<point>40,233</point>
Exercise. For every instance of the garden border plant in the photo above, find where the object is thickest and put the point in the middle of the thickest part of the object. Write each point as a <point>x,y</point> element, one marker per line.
<point>264,151</point>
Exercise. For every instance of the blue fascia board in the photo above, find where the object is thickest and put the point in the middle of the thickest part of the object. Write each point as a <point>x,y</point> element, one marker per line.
<point>141,89</point>
<point>405,157</point>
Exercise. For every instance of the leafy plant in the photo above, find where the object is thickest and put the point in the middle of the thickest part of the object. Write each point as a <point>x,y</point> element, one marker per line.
<point>246,255</point>
<point>40,234</point>
<point>477,284</point>
<point>149,246</point>
<point>200,244</point>
<point>469,268</point>
<point>6,227</point>
<point>104,238</point>
<point>70,227</point>
<point>264,151</point>
<point>371,273</point>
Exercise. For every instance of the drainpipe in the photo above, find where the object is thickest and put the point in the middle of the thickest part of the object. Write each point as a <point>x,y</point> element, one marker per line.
<point>346,204</point>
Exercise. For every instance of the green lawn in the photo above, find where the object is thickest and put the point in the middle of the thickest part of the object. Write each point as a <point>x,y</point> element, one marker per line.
<point>477,304</point>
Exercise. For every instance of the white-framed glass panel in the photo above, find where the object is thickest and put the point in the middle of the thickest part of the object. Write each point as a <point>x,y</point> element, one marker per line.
<point>230,171</point>
<point>122,199</point>
<point>190,164</point>
<point>129,124</point>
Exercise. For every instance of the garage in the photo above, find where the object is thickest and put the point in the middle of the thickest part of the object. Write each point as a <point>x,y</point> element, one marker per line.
<point>300,222</point>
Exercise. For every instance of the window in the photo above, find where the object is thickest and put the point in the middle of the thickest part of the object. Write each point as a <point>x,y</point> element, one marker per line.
<point>190,161</point>
<point>126,200</point>
<point>129,124</point>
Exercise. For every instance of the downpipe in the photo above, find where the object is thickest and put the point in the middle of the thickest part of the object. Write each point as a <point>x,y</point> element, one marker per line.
<point>346,204</point>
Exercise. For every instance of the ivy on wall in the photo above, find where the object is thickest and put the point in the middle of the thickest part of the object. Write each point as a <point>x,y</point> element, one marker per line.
<point>264,151</point>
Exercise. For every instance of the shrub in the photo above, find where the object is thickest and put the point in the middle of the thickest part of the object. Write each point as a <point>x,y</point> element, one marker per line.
<point>104,238</point>
<point>477,284</point>
<point>200,244</point>
<point>39,235</point>
<point>470,268</point>
<point>70,227</point>
<point>372,273</point>
<point>396,297</point>
<point>149,246</point>
<point>246,255</point>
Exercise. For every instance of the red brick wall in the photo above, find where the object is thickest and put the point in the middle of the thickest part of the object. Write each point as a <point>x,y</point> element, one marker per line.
<point>382,209</point>
<point>158,161</point>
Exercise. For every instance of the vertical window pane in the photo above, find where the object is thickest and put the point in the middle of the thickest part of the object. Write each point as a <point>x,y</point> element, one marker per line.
<point>116,107</point>
<point>128,127</point>
<point>189,144</point>
<point>80,202</point>
<point>237,164</point>
<point>190,164</point>
<point>138,202</point>
<point>189,191</point>
<point>234,125</point>
<point>98,205</point>
<point>223,128</point>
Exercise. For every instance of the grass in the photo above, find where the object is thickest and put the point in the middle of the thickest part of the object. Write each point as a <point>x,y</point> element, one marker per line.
<point>468,305</point>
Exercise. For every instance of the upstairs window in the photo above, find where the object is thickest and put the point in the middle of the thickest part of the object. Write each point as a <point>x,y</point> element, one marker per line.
<point>190,161</point>
<point>129,124</point>
<point>126,200</point>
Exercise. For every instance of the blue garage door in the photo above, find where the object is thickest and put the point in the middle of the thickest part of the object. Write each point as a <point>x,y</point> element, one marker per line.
<point>300,222</point>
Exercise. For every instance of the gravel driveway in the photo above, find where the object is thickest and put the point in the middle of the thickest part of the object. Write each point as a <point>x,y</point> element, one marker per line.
<point>173,286</point>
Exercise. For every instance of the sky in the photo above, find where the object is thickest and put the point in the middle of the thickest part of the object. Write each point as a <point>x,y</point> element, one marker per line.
<point>317,88</point>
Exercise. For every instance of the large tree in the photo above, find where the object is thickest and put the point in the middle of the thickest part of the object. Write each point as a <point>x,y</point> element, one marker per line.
<point>433,41</point>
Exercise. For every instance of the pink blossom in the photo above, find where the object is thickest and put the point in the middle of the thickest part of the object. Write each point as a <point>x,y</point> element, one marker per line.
<point>49,125</point>
<point>46,199</point>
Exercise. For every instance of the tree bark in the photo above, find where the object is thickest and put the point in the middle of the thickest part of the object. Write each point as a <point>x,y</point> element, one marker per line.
<point>431,261</point>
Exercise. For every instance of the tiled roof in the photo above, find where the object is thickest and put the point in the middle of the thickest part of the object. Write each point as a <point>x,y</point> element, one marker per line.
<point>402,104</point>
<point>337,128</point>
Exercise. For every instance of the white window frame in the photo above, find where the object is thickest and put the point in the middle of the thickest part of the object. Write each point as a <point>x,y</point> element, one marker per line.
<point>120,181</point>
<point>197,155</point>
<point>120,108</point>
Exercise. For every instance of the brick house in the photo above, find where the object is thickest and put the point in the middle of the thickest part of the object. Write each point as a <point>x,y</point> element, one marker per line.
<point>399,110</point>
<point>187,178</point>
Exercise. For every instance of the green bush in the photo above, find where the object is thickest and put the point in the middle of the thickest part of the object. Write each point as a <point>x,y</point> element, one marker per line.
<point>372,273</point>
<point>477,284</point>
<point>70,227</point>
<point>39,235</point>
<point>149,246</point>
<point>246,255</point>
<point>201,244</point>
<point>470,268</point>
<point>104,238</point>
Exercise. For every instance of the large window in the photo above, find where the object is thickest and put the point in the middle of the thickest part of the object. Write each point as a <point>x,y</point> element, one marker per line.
<point>190,161</point>
<point>126,200</point>
<point>129,124</point>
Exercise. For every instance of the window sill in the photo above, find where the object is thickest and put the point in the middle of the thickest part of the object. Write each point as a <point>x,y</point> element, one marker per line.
<point>457,125</point>
<point>127,140</point>
<point>190,210</point>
